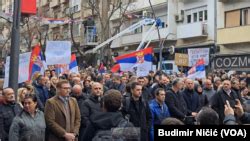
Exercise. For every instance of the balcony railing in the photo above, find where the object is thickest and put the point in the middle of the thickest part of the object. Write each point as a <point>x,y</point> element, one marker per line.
<point>90,35</point>
<point>233,35</point>
<point>191,30</point>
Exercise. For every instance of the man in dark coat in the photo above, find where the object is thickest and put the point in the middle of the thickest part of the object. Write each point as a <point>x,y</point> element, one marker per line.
<point>164,82</point>
<point>111,117</point>
<point>8,110</point>
<point>219,99</point>
<point>117,84</point>
<point>78,94</point>
<point>175,101</point>
<point>191,97</point>
<point>90,105</point>
<point>138,111</point>
<point>146,95</point>
<point>41,89</point>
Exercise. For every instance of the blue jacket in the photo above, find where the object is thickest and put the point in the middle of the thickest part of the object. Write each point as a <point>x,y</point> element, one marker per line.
<point>43,93</point>
<point>158,114</point>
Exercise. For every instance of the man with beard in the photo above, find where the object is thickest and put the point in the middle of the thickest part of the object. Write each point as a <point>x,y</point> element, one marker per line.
<point>164,83</point>
<point>8,110</point>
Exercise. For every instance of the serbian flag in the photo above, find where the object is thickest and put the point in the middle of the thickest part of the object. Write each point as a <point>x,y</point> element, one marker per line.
<point>198,70</point>
<point>36,61</point>
<point>101,68</point>
<point>141,59</point>
<point>73,64</point>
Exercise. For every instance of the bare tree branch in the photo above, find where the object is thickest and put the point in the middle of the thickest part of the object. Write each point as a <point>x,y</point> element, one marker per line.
<point>6,41</point>
<point>75,45</point>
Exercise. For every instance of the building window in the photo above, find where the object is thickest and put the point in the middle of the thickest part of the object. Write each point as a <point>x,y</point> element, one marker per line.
<point>237,18</point>
<point>205,15</point>
<point>201,16</point>
<point>196,14</point>
<point>75,8</point>
<point>245,17</point>
<point>195,17</point>
<point>189,20</point>
<point>232,18</point>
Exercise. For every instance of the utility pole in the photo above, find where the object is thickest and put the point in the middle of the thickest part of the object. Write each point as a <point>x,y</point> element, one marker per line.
<point>14,50</point>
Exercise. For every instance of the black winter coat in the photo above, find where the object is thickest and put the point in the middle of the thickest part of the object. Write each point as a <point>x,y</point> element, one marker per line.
<point>219,100</point>
<point>87,108</point>
<point>101,121</point>
<point>176,104</point>
<point>192,100</point>
<point>141,117</point>
<point>7,114</point>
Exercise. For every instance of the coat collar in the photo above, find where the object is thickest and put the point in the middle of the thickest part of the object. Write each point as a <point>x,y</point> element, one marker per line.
<point>60,104</point>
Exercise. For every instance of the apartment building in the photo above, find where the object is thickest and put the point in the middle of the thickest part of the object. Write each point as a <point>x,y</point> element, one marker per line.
<point>195,23</point>
<point>185,24</point>
<point>233,35</point>
<point>137,11</point>
<point>234,26</point>
<point>6,8</point>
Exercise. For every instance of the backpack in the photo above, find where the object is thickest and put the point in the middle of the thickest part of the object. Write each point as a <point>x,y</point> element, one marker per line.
<point>119,133</point>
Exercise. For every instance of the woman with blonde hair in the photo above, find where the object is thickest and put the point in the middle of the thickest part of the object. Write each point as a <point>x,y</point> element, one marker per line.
<point>21,92</point>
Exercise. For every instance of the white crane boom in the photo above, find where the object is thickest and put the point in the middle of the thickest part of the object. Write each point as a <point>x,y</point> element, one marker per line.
<point>127,30</point>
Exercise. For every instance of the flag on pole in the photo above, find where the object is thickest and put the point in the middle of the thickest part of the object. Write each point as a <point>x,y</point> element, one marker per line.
<point>73,64</point>
<point>101,68</point>
<point>36,61</point>
<point>68,68</point>
<point>198,70</point>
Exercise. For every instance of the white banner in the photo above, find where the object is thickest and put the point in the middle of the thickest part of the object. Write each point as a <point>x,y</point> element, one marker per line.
<point>23,75</point>
<point>143,69</point>
<point>58,52</point>
<point>199,75</point>
<point>197,53</point>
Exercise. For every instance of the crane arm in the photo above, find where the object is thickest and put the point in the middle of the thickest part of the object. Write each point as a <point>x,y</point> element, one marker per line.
<point>127,30</point>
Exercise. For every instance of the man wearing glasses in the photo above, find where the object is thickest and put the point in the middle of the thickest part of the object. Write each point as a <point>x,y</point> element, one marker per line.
<point>62,114</point>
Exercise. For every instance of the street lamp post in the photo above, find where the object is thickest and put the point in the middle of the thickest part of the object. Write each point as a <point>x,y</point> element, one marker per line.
<point>161,48</point>
<point>14,50</point>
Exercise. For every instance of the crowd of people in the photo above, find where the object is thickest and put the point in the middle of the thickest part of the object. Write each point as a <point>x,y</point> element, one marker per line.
<point>89,105</point>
